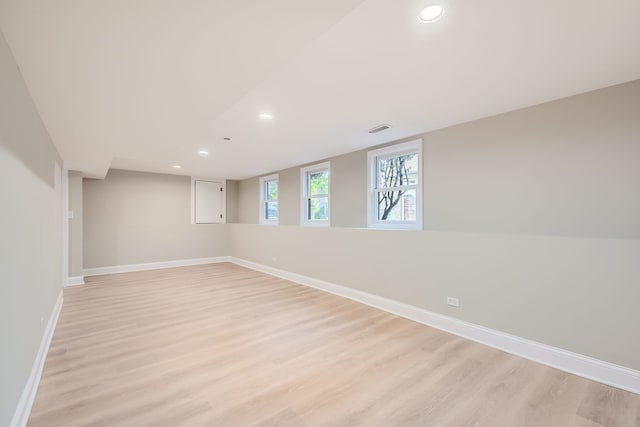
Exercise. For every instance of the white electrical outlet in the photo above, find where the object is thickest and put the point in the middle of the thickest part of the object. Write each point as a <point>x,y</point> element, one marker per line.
<point>454,302</point>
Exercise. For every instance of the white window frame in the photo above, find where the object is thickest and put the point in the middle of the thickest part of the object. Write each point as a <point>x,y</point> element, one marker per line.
<point>414,146</point>
<point>263,199</point>
<point>304,184</point>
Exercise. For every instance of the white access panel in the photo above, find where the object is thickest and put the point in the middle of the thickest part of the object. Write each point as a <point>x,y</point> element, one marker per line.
<point>208,202</point>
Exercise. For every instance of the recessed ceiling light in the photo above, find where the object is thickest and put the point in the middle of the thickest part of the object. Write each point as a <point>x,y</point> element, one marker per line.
<point>431,13</point>
<point>203,152</point>
<point>177,166</point>
<point>265,116</point>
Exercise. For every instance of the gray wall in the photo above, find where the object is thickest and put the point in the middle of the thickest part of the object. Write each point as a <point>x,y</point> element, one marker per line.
<point>248,201</point>
<point>31,243</point>
<point>232,200</point>
<point>136,217</point>
<point>348,193</point>
<point>566,168</point>
<point>531,218</point>
<point>574,293</point>
<point>75,224</point>
<point>289,197</point>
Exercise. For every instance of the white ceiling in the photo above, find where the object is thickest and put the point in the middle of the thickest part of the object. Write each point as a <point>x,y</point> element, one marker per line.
<point>145,84</point>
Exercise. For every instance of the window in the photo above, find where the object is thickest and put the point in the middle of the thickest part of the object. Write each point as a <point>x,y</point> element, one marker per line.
<point>395,186</point>
<point>269,200</point>
<point>315,194</point>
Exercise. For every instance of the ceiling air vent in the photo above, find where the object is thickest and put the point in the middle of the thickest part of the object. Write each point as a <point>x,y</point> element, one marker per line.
<point>379,128</point>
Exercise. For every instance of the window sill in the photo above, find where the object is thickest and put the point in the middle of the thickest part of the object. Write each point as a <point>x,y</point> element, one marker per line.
<point>396,227</point>
<point>315,224</point>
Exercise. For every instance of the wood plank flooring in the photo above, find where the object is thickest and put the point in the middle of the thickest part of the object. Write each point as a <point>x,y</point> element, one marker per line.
<point>221,345</point>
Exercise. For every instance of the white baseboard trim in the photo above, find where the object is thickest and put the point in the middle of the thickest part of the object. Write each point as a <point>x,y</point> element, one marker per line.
<point>152,265</point>
<point>574,363</point>
<point>75,281</point>
<point>21,414</point>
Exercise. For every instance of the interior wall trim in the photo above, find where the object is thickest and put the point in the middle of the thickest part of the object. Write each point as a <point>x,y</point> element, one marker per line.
<point>568,361</point>
<point>75,281</point>
<point>23,410</point>
<point>98,271</point>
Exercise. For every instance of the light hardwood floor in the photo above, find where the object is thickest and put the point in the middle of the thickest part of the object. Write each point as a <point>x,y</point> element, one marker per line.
<point>221,345</point>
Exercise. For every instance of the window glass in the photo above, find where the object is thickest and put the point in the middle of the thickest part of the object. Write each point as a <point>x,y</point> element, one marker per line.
<point>315,194</point>
<point>269,199</point>
<point>395,186</point>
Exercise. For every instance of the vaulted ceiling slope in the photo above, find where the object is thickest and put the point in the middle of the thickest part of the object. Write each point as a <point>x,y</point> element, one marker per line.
<point>146,84</point>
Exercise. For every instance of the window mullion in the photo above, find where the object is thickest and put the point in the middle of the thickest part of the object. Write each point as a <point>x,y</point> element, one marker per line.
<point>269,184</point>
<point>315,207</point>
<point>395,186</point>
<point>398,188</point>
